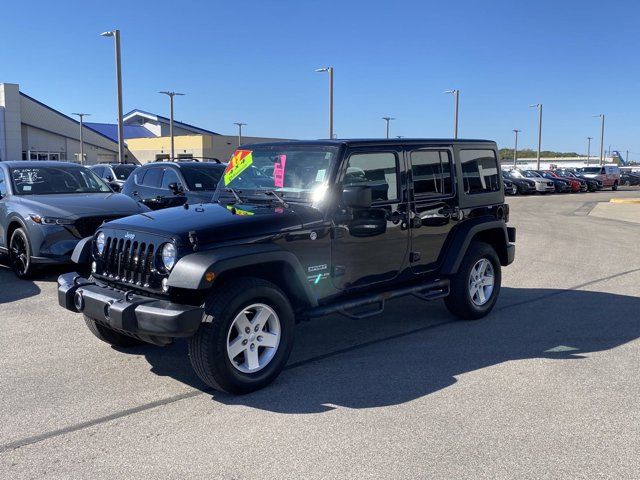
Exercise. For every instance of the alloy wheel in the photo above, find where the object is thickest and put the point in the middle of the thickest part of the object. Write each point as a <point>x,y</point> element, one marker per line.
<point>18,254</point>
<point>481,281</point>
<point>253,338</point>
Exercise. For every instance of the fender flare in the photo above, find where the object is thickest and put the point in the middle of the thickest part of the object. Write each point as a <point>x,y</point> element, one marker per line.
<point>460,239</point>
<point>82,252</point>
<point>189,272</point>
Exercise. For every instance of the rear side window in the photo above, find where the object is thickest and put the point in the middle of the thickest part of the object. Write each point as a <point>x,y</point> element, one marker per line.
<point>431,172</point>
<point>3,184</point>
<point>99,171</point>
<point>479,171</point>
<point>152,178</point>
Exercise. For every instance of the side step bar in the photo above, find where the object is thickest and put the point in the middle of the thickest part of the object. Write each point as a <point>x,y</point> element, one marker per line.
<point>425,291</point>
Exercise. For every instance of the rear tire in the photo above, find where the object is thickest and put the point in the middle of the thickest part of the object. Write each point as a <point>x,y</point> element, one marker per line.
<point>615,186</point>
<point>226,351</point>
<point>110,336</point>
<point>463,301</point>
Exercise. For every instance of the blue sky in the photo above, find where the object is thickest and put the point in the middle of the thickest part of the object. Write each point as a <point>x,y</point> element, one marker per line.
<point>254,61</point>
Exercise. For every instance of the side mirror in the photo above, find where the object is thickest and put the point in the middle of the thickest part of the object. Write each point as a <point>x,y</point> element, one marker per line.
<point>357,196</point>
<point>109,178</point>
<point>175,188</point>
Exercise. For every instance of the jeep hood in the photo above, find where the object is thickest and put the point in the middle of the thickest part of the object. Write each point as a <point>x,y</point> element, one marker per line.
<point>77,205</point>
<point>218,223</point>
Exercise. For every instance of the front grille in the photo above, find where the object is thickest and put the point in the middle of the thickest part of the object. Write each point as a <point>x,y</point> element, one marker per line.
<point>130,262</point>
<point>87,226</point>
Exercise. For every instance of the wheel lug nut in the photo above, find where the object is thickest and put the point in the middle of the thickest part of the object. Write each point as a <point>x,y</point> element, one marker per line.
<point>253,346</point>
<point>245,341</point>
<point>257,328</point>
<point>247,330</point>
<point>259,338</point>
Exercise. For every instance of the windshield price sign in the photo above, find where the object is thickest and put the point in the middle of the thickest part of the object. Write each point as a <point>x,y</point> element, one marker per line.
<point>240,161</point>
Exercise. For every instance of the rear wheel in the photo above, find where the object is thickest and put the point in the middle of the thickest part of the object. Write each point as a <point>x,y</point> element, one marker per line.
<point>20,254</point>
<point>615,186</point>
<point>476,286</point>
<point>245,337</point>
<point>110,336</point>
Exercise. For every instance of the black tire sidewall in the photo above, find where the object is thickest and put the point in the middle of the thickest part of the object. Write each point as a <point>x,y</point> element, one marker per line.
<point>219,315</point>
<point>28,271</point>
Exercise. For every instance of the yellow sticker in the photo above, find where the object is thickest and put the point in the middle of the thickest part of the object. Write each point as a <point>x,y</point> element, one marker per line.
<point>240,161</point>
<point>238,211</point>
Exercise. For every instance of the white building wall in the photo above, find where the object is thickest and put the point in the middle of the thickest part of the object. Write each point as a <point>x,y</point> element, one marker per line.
<point>10,126</point>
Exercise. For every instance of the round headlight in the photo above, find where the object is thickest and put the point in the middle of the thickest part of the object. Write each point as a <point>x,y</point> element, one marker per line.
<point>168,256</point>
<point>100,242</point>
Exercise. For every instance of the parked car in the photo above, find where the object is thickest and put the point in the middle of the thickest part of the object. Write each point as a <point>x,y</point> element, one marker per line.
<point>510,188</point>
<point>168,184</point>
<point>332,232</point>
<point>543,185</point>
<point>609,175</point>
<point>46,208</point>
<point>523,185</point>
<point>593,184</point>
<point>630,179</point>
<point>115,174</point>
<point>561,185</point>
<point>575,184</point>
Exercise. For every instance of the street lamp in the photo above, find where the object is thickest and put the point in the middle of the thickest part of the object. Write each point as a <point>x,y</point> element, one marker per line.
<point>81,115</point>
<point>388,119</point>
<point>116,35</point>
<point>330,71</point>
<point>601,115</point>
<point>240,125</point>
<point>456,96</point>
<point>539,107</point>
<point>589,149</point>
<point>171,95</point>
<point>515,148</point>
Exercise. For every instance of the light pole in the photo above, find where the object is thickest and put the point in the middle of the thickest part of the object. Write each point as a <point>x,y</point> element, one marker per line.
<point>515,148</point>
<point>456,96</point>
<point>330,71</point>
<point>539,107</point>
<point>240,125</point>
<point>589,149</point>
<point>601,115</point>
<point>81,115</point>
<point>171,95</point>
<point>388,119</point>
<point>116,35</point>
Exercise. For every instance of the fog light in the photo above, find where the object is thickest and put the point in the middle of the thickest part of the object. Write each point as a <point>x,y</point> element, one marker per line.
<point>165,284</point>
<point>94,267</point>
<point>78,300</point>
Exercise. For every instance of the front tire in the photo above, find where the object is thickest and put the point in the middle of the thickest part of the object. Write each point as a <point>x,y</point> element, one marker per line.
<point>615,186</point>
<point>476,286</point>
<point>20,252</point>
<point>110,336</point>
<point>245,338</point>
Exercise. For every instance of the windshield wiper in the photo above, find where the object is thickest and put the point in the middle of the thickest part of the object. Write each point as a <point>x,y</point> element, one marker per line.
<point>234,193</point>
<point>277,197</point>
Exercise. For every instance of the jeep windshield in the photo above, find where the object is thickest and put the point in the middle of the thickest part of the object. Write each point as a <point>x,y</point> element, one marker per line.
<point>48,180</point>
<point>292,171</point>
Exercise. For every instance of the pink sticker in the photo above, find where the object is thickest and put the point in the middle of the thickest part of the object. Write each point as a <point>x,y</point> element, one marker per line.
<point>278,171</point>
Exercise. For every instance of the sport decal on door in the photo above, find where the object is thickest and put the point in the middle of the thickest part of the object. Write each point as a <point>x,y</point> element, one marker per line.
<point>240,161</point>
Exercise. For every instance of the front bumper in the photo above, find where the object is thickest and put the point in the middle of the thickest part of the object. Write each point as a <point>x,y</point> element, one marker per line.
<point>127,312</point>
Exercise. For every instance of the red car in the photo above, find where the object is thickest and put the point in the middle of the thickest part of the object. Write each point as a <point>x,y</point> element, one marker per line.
<point>576,185</point>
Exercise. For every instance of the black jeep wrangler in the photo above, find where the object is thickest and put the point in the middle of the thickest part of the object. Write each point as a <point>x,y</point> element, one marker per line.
<point>299,230</point>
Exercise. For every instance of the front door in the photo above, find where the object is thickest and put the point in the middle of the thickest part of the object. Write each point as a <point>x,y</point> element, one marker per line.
<point>370,245</point>
<point>433,209</point>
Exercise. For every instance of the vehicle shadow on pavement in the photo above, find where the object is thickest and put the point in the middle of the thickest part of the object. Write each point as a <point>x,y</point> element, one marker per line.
<point>13,289</point>
<point>415,348</point>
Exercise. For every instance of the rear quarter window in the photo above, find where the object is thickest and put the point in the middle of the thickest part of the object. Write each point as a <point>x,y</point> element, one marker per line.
<point>480,172</point>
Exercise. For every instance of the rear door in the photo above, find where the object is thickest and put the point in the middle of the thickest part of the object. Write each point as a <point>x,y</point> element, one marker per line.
<point>370,245</point>
<point>433,210</point>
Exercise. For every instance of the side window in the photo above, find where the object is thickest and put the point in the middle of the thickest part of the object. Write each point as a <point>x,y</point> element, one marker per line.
<point>431,172</point>
<point>3,184</point>
<point>170,176</point>
<point>99,171</point>
<point>479,171</point>
<point>377,170</point>
<point>152,178</point>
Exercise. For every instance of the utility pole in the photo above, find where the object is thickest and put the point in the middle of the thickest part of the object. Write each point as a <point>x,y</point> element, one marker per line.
<point>171,95</point>
<point>601,116</point>
<point>456,96</point>
<point>515,148</point>
<point>116,35</point>
<point>240,125</point>
<point>330,71</point>
<point>589,149</point>
<point>539,107</point>
<point>81,115</point>
<point>388,119</point>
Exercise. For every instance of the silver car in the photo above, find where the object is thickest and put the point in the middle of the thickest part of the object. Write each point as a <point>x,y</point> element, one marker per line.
<point>543,185</point>
<point>46,208</point>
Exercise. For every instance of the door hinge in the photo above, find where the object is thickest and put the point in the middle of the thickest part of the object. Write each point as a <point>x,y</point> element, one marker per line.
<point>414,256</point>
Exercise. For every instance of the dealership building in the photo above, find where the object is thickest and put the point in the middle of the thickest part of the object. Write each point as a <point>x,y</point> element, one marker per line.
<point>31,130</point>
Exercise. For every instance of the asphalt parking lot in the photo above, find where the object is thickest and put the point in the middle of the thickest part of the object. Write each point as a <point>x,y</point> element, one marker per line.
<point>546,387</point>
